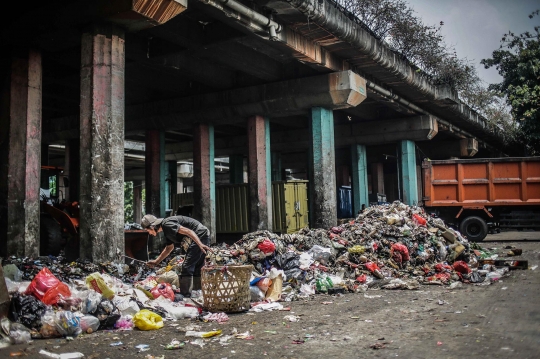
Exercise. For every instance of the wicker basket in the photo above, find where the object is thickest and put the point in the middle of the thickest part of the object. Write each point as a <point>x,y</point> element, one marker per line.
<point>226,288</point>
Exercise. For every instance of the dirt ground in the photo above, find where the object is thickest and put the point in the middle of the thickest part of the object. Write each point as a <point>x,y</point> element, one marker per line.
<point>495,321</point>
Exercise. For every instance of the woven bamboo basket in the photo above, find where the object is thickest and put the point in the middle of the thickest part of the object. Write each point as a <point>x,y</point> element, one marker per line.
<point>226,288</point>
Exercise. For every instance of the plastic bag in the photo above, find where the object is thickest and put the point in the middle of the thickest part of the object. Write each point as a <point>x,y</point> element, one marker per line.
<point>47,288</point>
<point>107,313</point>
<point>169,277</point>
<point>176,310</point>
<point>321,254</point>
<point>264,284</point>
<point>48,329</point>
<point>26,310</point>
<point>126,306</point>
<point>305,260</point>
<point>124,323</point>
<point>402,250</point>
<point>257,294</point>
<point>163,289</point>
<point>267,246</point>
<point>67,323</point>
<point>147,320</point>
<point>96,282</point>
<point>92,301</point>
<point>89,324</point>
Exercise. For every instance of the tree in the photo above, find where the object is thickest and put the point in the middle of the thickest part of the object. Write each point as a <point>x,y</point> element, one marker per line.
<point>518,61</point>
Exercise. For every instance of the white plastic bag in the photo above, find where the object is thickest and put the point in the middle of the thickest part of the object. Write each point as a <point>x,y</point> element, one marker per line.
<point>321,254</point>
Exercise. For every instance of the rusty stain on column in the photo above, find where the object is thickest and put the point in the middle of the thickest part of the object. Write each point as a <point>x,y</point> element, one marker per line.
<point>204,184</point>
<point>102,144</point>
<point>152,166</point>
<point>258,173</point>
<point>24,155</point>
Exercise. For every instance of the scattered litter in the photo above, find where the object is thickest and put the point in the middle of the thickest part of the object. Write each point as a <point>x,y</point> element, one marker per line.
<point>74,355</point>
<point>292,318</point>
<point>174,344</point>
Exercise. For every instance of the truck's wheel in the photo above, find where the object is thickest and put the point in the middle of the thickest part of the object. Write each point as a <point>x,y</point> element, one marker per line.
<point>474,228</point>
<point>50,237</point>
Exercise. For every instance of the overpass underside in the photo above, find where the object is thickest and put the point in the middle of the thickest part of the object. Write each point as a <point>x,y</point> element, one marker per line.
<point>116,91</point>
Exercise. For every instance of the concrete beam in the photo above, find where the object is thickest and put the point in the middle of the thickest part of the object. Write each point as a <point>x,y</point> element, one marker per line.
<point>332,91</point>
<point>419,128</point>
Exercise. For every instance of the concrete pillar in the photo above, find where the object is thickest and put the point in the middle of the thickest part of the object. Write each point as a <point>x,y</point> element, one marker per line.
<point>137,201</point>
<point>259,174</point>
<point>323,172</point>
<point>153,170</point>
<point>204,180</point>
<point>173,182</point>
<point>277,173</point>
<point>24,159</point>
<point>236,169</point>
<point>73,170</point>
<point>359,178</point>
<point>408,172</point>
<point>102,144</point>
<point>377,178</point>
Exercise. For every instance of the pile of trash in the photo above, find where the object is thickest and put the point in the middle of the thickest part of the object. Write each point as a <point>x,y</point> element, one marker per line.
<point>390,246</point>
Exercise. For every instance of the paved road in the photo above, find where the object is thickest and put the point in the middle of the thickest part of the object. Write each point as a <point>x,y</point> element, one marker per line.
<point>514,236</point>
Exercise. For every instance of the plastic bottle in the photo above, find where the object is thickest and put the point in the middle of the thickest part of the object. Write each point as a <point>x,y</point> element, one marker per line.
<point>330,283</point>
<point>89,324</point>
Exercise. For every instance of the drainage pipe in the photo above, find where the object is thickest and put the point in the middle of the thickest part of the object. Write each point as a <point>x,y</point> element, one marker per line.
<point>261,20</point>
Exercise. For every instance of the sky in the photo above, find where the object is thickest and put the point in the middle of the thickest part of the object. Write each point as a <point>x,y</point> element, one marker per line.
<point>475,27</point>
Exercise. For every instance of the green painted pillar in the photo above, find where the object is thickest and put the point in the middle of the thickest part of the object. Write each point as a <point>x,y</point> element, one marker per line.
<point>408,172</point>
<point>323,171</point>
<point>276,167</point>
<point>236,169</point>
<point>359,177</point>
<point>164,193</point>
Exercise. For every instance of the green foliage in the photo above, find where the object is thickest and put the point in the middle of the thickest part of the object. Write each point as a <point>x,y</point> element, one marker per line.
<point>518,62</point>
<point>128,202</point>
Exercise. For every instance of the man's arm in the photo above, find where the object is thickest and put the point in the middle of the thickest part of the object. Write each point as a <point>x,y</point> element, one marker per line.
<point>164,253</point>
<point>188,232</point>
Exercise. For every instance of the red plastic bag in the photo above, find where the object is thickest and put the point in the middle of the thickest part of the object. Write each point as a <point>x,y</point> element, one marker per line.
<point>267,246</point>
<point>361,278</point>
<point>264,284</point>
<point>420,221</point>
<point>461,267</point>
<point>439,267</point>
<point>372,267</point>
<point>47,288</point>
<point>402,249</point>
<point>163,289</point>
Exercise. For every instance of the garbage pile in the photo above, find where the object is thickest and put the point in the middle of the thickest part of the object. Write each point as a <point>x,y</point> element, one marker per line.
<point>391,246</point>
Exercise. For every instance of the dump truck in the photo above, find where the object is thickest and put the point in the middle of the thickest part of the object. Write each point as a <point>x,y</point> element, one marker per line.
<point>478,196</point>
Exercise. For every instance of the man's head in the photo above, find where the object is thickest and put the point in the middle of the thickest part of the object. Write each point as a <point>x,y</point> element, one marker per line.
<point>150,221</point>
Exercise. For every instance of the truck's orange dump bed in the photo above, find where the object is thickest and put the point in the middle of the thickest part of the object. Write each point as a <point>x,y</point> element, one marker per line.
<point>482,182</point>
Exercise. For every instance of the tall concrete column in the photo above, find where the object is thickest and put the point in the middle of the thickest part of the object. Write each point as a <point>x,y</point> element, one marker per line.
<point>137,201</point>
<point>204,180</point>
<point>102,144</point>
<point>24,160</point>
<point>323,172</point>
<point>408,172</point>
<point>173,182</point>
<point>359,177</point>
<point>73,170</point>
<point>236,169</point>
<point>259,174</point>
<point>377,178</point>
<point>153,172</point>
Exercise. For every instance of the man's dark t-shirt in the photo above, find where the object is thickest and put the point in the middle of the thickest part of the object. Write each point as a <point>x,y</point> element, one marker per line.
<point>171,225</point>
